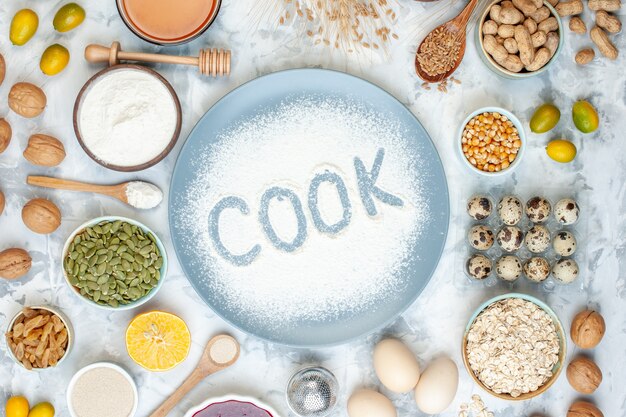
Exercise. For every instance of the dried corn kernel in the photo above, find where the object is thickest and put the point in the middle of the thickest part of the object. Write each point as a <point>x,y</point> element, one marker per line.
<point>490,142</point>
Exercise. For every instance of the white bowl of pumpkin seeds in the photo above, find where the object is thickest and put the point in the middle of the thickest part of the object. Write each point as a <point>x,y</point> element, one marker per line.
<point>114,263</point>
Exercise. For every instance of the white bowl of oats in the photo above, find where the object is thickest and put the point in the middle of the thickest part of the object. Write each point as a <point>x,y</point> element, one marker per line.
<point>514,346</point>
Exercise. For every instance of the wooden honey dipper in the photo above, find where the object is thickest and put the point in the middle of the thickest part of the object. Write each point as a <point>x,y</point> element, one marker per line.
<point>211,62</point>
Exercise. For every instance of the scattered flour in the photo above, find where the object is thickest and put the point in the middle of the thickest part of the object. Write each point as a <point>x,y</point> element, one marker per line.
<point>330,275</point>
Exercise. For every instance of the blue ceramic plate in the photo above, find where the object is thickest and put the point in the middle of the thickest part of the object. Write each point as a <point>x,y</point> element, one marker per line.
<point>260,96</point>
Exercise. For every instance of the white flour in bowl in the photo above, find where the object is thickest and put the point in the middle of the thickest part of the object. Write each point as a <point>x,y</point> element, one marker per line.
<point>127,117</point>
<point>349,256</point>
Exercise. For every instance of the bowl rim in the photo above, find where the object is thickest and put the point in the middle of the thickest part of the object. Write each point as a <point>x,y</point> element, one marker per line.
<point>103,364</point>
<point>66,321</point>
<point>133,67</point>
<point>520,129</point>
<point>558,367</point>
<point>193,411</point>
<point>145,228</point>
<point>503,71</point>
<point>155,41</point>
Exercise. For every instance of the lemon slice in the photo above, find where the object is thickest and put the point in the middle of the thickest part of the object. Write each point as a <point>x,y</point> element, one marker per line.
<point>157,340</point>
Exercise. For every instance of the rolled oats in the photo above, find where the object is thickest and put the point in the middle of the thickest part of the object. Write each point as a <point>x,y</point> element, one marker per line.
<point>512,347</point>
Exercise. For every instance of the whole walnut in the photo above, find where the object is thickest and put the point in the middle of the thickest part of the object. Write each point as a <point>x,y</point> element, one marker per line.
<point>584,375</point>
<point>5,135</point>
<point>2,201</point>
<point>584,409</point>
<point>44,150</point>
<point>14,263</point>
<point>27,99</point>
<point>3,68</point>
<point>41,216</point>
<point>587,329</point>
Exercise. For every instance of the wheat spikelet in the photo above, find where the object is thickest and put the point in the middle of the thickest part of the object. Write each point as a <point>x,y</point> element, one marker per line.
<point>348,25</point>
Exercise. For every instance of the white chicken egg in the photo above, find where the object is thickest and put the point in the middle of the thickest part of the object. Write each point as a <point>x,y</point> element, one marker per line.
<point>437,386</point>
<point>396,366</point>
<point>368,403</point>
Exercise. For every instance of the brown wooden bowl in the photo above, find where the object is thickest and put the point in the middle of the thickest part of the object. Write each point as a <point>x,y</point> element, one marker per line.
<point>165,151</point>
<point>556,370</point>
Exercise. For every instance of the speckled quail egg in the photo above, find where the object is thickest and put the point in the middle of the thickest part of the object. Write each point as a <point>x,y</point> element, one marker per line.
<point>565,270</point>
<point>509,268</point>
<point>537,239</point>
<point>537,269</point>
<point>480,237</point>
<point>564,243</point>
<point>510,238</point>
<point>510,210</point>
<point>479,207</point>
<point>479,266</point>
<point>566,211</point>
<point>538,209</point>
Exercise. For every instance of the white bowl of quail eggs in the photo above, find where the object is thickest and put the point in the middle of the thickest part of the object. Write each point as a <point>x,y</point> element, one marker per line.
<point>512,239</point>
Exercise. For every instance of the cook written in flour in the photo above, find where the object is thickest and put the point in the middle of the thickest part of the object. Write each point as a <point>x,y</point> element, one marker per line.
<point>306,211</point>
<point>368,191</point>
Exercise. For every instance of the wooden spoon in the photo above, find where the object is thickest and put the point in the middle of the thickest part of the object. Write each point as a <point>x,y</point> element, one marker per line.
<point>457,26</point>
<point>221,352</point>
<point>118,191</point>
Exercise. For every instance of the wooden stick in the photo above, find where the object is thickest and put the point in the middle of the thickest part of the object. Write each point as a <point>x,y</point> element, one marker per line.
<point>211,62</point>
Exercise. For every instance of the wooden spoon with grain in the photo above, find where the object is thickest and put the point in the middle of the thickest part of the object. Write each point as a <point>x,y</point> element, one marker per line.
<point>221,352</point>
<point>456,26</point>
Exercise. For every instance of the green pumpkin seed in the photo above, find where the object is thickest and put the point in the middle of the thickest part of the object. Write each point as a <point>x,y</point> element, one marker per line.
<point>100,269</point>
<point>91,252</point>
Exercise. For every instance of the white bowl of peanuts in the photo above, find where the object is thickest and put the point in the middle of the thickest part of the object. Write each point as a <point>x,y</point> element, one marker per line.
<point>39,338</point>
<point>521,38</point>
<point>491,141</point>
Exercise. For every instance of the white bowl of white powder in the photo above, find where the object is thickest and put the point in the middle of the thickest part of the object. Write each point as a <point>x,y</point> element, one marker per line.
<point>102,389</point>
<point>127,118</point>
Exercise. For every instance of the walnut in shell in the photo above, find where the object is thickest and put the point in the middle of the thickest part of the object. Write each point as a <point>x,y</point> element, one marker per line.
<point>584,409</point>
<point>2,201</point>
<point>3,69</point>
<point>41,216</point>
<point>5,135</point>
<point>584,375</point>
<point>27,99</point>
<point>587,329</point>
<point>44,150</point>
<point>14,263</point>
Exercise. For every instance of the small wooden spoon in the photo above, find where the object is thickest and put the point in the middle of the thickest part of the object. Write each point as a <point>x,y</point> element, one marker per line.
<point>221,352</point>
<point>116,191</point>
<point>458,26</point>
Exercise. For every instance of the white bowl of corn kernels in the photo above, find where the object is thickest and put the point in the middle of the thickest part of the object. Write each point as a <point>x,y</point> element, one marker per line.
<point>491,141</point>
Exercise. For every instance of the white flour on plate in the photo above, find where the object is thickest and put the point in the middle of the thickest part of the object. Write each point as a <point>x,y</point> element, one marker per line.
<point>330,274</point>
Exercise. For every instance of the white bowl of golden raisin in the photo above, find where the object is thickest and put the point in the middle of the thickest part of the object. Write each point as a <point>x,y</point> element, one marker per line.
<point>491,141</point>
<point>39,337</point>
